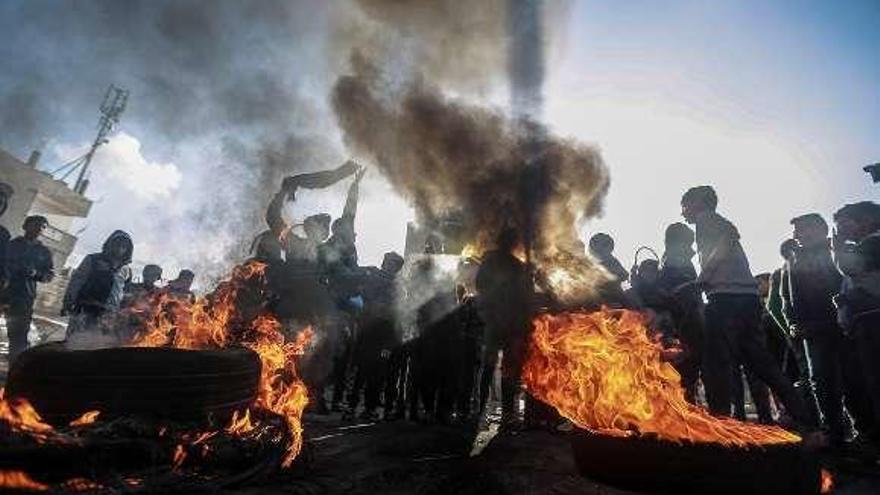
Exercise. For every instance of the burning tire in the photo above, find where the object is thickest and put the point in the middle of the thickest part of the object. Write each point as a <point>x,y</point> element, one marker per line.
<point>166,383</point>
<point>665,467</point>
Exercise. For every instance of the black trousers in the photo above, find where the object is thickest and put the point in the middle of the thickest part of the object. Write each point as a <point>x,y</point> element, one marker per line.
<point>824,345</point>
<point>733,334</point>
<point>18,324</point>
<point>862,375</point>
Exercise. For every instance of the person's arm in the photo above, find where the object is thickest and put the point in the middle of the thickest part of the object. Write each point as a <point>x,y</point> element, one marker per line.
<point>787,294</point>
<point>77,281</point>
<point>351,201</point>
<point>774,300</point>
<point>274,219</point>
<point>45,271</point>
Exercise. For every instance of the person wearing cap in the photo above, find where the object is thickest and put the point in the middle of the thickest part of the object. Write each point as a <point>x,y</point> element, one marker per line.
<point>6,192</point>
<point>732,332</point>
<point>28,262</point>
<point>809,312</point>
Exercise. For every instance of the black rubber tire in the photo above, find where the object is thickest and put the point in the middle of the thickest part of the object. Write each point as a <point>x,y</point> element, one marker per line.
<point>164,383</point>
<point>658,466</point>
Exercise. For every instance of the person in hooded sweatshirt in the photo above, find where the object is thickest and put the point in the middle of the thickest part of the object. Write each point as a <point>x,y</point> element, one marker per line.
<point>97,286</point>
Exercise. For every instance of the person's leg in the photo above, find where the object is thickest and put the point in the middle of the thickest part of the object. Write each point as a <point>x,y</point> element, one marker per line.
<point>868,343</point>
<point>760,394</point>
<point>487,374</point>
<point>717,361</point>
<point>856,396</point>
<point>823,350</point>
<point>18,324</point>
<point>738,392</point>
<point>760,361</point>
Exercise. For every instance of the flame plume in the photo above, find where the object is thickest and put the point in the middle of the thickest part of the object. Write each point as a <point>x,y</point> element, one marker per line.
<point>602,371</point>
<point>222,319</point>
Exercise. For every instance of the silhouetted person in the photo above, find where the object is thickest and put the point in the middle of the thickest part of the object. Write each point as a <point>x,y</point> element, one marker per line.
<point>280,242</point>
<point>813,281</point>
<point>377,337</point>
<point>856,253</point>
<point>733,312</point>
<point>97,285</point>
<point>150,276</point>
<point>504,288</point>
<point>678,279</point>
<point>28,262</point>
<point>181,286</point>
<point>602,247</point>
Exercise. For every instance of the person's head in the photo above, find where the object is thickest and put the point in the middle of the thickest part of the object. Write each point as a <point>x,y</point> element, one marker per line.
<point>33,226</point>
<point>697,200</point>
<point>648,272</point>
<point>317,227</point>
<point>678,237</point>
<point>119,247</point>
<point>788,248</point>
<point>507,239</point>
<point>152,274</point>
<point>763,280</point>
<point>869,252</point>
<point>184,279</point>
<point>5,195</point>
<point>392,262</point>
<point>344,231</point>
<point>601,245</point>
<point>810,230</point>
<point>856,220</point>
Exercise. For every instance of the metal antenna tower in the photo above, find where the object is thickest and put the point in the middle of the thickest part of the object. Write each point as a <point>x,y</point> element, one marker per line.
<point>112,107</point>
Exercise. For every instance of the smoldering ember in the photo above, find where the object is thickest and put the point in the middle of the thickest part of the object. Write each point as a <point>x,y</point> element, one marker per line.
<point>439,247</point>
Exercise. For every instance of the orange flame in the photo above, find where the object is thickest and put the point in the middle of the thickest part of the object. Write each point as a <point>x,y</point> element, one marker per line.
<point>602,371</point>
<point>79,485</point>
<point>178,457</point>
<point>239,426</point>
<point>21,417</point>
<point>86,419</point>
<point>217,321</point>
<point>827,484</point>
<point>21,481</point>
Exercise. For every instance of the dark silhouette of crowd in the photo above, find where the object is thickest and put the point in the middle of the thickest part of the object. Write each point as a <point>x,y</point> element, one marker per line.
<point>423,340</point>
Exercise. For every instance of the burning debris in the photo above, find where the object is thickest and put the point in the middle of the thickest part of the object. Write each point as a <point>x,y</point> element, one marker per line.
<point>602,371</point>
<point>231,317</point>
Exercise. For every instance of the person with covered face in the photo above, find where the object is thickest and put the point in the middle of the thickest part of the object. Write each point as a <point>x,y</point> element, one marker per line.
<point>28,262</point>
<point>97,285</point>
<point>733,313</point>
<point>505,292</point>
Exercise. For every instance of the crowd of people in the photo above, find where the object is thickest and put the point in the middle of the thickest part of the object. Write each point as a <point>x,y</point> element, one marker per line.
<point>414,339</point>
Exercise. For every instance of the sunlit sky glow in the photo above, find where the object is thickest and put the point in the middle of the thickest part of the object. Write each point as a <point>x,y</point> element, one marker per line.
<point>776,104</point>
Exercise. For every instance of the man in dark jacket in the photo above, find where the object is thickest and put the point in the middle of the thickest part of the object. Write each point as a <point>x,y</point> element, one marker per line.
<point>377,335</point>
<point>809,311</point>
<point>505,292</point>
<point>28,262</point>
<point>97,286</point>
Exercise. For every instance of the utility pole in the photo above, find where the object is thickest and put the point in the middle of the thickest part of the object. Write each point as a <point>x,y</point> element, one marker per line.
<point>112,107</point>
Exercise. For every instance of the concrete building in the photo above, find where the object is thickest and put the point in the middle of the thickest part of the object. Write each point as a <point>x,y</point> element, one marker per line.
<point>38,193</point>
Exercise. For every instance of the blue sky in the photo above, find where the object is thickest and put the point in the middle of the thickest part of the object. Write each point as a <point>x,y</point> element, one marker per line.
<point>777,104</point>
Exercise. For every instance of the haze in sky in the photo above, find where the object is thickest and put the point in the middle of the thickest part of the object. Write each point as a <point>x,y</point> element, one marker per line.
<point>776,104</point>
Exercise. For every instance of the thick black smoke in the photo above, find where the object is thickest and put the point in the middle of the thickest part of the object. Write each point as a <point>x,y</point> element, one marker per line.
<point>448,157</point>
